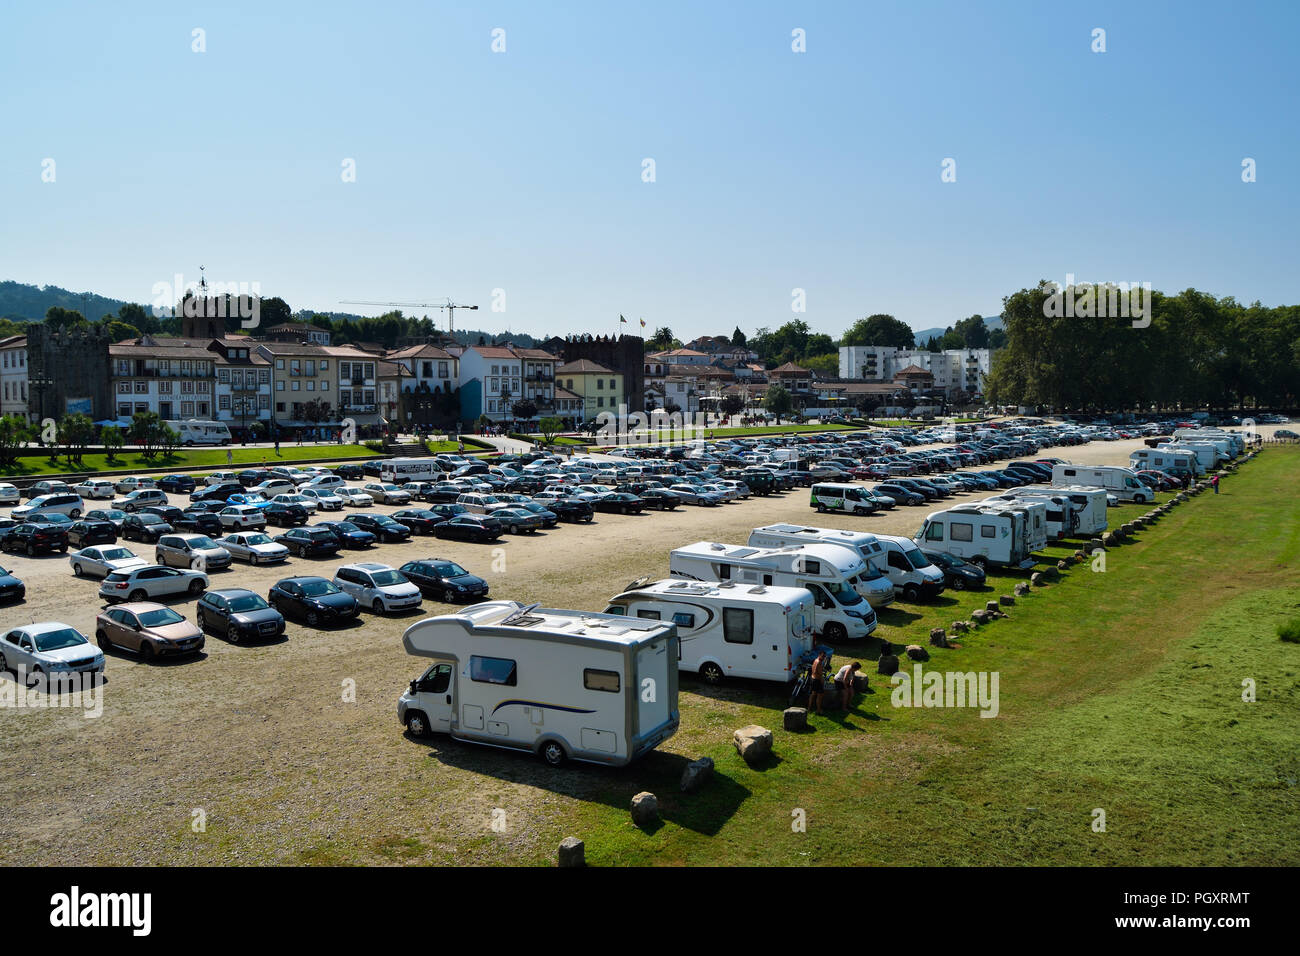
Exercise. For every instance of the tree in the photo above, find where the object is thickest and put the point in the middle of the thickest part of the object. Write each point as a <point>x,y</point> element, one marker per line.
<point>778,401</point>
<point>952,339</point>
<point>14,431</point>
<point>732,404</point>
<point>550,427</point>
<point>75,432</point>
<point>827,364</point>
<point>663,340</point>
<point>880,329</point>
<point>146,430</point>
<point>274,311</point>
<point>111,436</point>
<point>974,333</point>
<point>118,331</point>
<point>524,410</point>
<point>58,318</point>
<point>738,337</point>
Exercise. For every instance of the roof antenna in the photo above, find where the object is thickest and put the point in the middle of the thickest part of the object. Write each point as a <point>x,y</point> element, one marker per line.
<point>522,613</point>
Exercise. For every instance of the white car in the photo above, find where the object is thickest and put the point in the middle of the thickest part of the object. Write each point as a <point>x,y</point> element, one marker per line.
<point>255,547</point>
<point>127,485</point>
<point>355,497</point>
<point>151,582</point>
<point>242,516</point>
<point>9,494</point>
<point>308,505</point>
<point>59,503</point>
<point>273,486</point>
<point>389,494</point>
<point>326,480</point>
<point>49,648</point>
<point>103,559</point>
<point>94,488</point>
<point>295,475</point>
<point>326,500</point>
<point>378,587</point>
<point>140,498</point>
<point>220,478</point>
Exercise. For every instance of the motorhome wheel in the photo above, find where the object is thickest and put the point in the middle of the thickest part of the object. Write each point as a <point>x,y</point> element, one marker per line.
<point>417,724</point>
<point>553,753</point>
<point>834,631</point>
<point>711,673</point>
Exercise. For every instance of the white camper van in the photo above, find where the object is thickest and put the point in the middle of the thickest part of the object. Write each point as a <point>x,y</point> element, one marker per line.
<point>872,583</point>
<point>401,470</point>
<point>1036,533</point>
<point>1089,504</point>
<point>910,570</point>
<point>1121,482</point>
<point>828,571</point>
<point>1174,463</point>
<point>725,629</point>
<point>982,536</point>
<point>1235,443</point>
<point>850,499</point>
<point>562,684</point>
<point>1207,455</point>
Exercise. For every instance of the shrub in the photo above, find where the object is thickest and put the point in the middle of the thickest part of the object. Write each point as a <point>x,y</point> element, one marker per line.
<point>374,445</point>
<point>1290,631</point>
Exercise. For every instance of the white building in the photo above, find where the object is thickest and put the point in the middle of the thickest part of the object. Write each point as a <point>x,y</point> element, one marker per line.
<point>494,377</point>
<point>13,376</point>
<point>176,378</point>
<point>954,370</point>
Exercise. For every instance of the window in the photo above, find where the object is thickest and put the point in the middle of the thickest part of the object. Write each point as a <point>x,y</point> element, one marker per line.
<point>279,386</point>
<point>442,370</point>
<point>297,386</point>
<point>607,681</point>
<point>737,625</point>
<point>934,532</point>
<point>324,365</point>
<point>325,385</point>
<point>264,375</point>
<point>963,532</point>
<point>311,385</point>
<point>988,532</point>
<point>724,572</point>
<point>437,679</point>
<point>650,615</point>
<point>492,670</point>
<point>223,402</point>
<point>682,619</point>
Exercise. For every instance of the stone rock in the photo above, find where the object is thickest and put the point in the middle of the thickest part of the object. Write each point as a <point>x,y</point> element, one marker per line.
<point>888,664</point>
<point>860,684</point>
<point>1062,565</point>
<point>1006,600</point>
<point>645,808</point>
<point>1109,540</point>
<point>918,653</point>
<point>753,743</point>
<point>1080,556</point>
<point>1021,588</point>
<point>573,852</point>
<point>938,638</point>
<point>960,627</point>
<point>795,718</point>
<point>886,647</point>
<point>979,617</point>
<point>1037,580</point>
<point>991,606</point>
<point>698,772</point>
<point>1096,543</point>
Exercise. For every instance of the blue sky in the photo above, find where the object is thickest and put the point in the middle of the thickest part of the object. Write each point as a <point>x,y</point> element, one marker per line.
<point>774,170</point>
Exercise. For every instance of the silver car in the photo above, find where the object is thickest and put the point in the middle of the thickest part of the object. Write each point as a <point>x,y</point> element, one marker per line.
<point>48,649</point>
<point>324,499</point>
<point>151,583</point>
<point>196,551</point>
<point>255,547</point>
<point>389,494</point>
<point>102,560</point>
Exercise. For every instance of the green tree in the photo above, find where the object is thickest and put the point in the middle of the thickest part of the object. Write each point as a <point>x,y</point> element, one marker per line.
<point>550,427</point>
<point>75,432</point>
<point>524,409</point>
<point>880,329</point>
<point>974,333</point>
<point>778,401</point>
<point>112,439</point>
<point>59,318</point>
<point>274,311</point>
<point>732,404</point>
<point>952,339</point>
<point>146,430</point>
<point>14,432</point>
<point>738,337</point>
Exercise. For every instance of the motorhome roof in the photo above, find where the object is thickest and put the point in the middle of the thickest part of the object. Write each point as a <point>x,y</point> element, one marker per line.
<point>845,559</point>
<point>816,533</point>
<point>731,591</point>
<point>525,620</point>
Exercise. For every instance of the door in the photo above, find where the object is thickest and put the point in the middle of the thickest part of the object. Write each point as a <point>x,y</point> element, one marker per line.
<point>436,694</point>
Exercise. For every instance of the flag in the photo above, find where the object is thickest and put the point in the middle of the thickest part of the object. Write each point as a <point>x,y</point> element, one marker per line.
<point>623,320</point>
<point>643,323</point>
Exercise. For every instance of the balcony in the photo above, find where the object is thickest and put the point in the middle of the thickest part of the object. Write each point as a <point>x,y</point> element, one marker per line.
<point>539,377</point>
<point>362,409</point>
<point>360,381</point>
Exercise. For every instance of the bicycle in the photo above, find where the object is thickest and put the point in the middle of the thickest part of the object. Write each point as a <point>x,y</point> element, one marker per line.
<point>803,676</point>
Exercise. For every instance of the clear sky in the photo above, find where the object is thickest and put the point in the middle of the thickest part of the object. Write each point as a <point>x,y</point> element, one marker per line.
<point>774,170</point>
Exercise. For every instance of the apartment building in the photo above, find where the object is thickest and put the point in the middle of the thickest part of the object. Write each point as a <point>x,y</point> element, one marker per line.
<point>174,378</point>
<point>494,377</point>
<point>243,387</point>
<point>599,388</point>
<point>13,376</point>
<point>954,370</point>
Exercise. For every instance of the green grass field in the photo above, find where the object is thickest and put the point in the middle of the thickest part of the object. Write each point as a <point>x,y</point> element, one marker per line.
<point>1120,691</point>
<point>184,460</point>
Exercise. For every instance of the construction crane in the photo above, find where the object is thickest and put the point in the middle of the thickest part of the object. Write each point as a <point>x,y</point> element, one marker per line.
<point>449,307</point>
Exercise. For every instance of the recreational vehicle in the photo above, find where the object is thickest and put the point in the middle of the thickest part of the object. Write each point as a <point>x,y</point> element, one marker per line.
<point>1121,482</point>
<point>910,571</point>
<point>1208,455</point>
<point>982,536</point>
<point>725,629</point>
<point>1089,504</point>
<point>1036,531</point>
<point>401,470</point>
<point>850,499</point>
<point>562,684</point>
<point>1235,442</point>
<point>872,583</point>
<point>195,432</point>
<point>1061,519</point>
<point>828,571</point>
<point>1176,463</point>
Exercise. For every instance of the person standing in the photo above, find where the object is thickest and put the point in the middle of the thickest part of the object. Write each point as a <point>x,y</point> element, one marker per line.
<point>230,457</point>
<point>1214,482</point>
<point>817,681</point>
<point>844,682</point>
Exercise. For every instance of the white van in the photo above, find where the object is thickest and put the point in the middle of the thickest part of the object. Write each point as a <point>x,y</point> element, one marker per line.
<point>60,503</point>
<point>982,536</point>
<point>872,583</point>
<point>1089,504</point>
<point>1235,443</point>
<point>726,630</point>
<point>1036,534</point>
<point>911,572</point>
<point>1207,455</point>
<point>1121,482</point>
<point>850,499</point>
<point>828,571</point>
<point>562,684</point>
<point>401,470</point>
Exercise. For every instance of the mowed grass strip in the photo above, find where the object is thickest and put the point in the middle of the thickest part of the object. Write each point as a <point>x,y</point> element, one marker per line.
<point>214,458</point>
<point>1119,690</point>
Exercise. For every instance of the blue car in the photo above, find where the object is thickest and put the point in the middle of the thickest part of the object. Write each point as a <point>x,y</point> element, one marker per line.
<point>249,498</point>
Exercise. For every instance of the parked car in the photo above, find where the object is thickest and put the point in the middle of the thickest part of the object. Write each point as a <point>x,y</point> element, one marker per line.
<point>470,527</point>
<point>9,494</point>
<point>660,499</point>
<point>571,509</point>
<point>169,513</point>
<point>220,478</point>
<point>107,514</point>
<point>11,587</point>
<point>309,542</point>
<point>151,630</point>
<point>84,532</point>
<point>381,526</point>
<point>284,515</point>
<point>136,500</point>
<point>196,551</point>
<point>317,601</point>
<point>418,520</point>
<point>144,527</point>
<point>33,539</point>
<point>378,587</point>
<point>351,472</point>
<point>125,486</point>
<point>618,502</point>
<point>99,562</point>
<point>250,498</point>
<point>48,649</point>
<point>198,522</point>
<point>220,493</point>
<point>62,503</point>
<point>548,517</point>
<point>347,534</point>
<point>177,484</point>
<point>388,493</point>
<point>322,498</point>
<point>94,488</point>
<point>151,581</point>
<point>957,574</point>
<point>305,502</point>
<point>48,487</point>
<point>517,520</point>
<point>242,517</point>
<point>255,547</point>
<point>240,615</point>
<point>355,497</point>
<point>447,580</point>
<point>271,487</point>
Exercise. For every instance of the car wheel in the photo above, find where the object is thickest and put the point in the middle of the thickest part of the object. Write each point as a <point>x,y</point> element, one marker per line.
<point>711,673</point>
<point>31,550</point>
<point>834,631</point>
<point>101,638</point>
<point>4,665</point>
<point>418,724</point>
<point>74,514</point>
<point>910,593</point>
<point>552,752</point>
<point>377,606</point>
<point>312,618</point>
<point>958,583</point>
<point>196,586</point>
<point>77,570</point>
<point>137,595</point>
<point>146,652</point>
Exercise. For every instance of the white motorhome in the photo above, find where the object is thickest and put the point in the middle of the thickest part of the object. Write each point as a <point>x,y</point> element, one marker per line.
<point>828,571</point>
<point>872,583</point>
<point>562,684</point>
<point>1060,517</point>
<point>1122,482</point>
<point>1235,442</point>
<point>850,499</point>
<point>982,536</point>
<point>910,571</point>
<point>1162,459</point>
<point>401,470</point>
<point>1089,504</point>
<point>196,432</point>
<point>1036,531</point>
<point>1208,455</point>
<point>725,629</point>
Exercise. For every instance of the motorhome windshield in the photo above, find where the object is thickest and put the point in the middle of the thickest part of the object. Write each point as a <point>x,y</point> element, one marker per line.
<point>916,558</point>
<point>843,593</point>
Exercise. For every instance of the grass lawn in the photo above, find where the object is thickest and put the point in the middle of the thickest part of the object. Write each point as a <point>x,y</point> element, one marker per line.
<point>183,460</point>
<point>1119,690</point>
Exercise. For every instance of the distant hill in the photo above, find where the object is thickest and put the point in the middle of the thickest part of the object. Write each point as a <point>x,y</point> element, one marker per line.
<point>29,303</point>
<point>991,322</point>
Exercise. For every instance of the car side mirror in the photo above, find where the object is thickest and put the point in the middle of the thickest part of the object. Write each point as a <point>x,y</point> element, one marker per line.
<point>415,686</point>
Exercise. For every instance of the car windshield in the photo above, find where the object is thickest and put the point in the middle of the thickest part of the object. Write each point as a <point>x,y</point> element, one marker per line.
<point>113,554</point>
<point>320,535</point>
<point>258,539</point>
<point>247,602</point>
<point>57,640</point>
<point>449,569</point>
<point>160,618</point>
<point>386,578</point>
<point>149,518</point>
<point>202,542</point>
<point>916,558</point>
<point>843,593</point>
<point>318,586</point>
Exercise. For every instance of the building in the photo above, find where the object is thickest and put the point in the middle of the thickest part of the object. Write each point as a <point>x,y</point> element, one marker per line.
<point>600,389</point>
<point>624,355</point>
<point>173,377</point>
<point>300,332</point>
<point>956,372</point>
<point>243,386</point>
<point>427,387</point>
<point>493,378</point>
<point>68,371</point>
<point>13,376</point>
<point>304,384</point>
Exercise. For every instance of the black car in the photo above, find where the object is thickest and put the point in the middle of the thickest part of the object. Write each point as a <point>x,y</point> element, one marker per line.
<point>144,526</point>
<point>661,499</point>
<point>347,534</point>
<point>371,468</point>
<point>106,514</point>
<point>309,542</point>
<point>447,580</point>
<point>217,493</point>
<point>902,495</point>
<point>470,527</point>
<point>206,507</point>
<point>448,510</point>
<point>571,509</point>
<point>33,539</point>
<point>549,517</point>
<point>11,588</point>
<point>176,484</point>
<point>239,614</point>
<point>350,472</point>
<point>284,515</point>
<point>957,574</point>
<point>418,520</point>
<point>200,522</point>
<point>84,533</point>
<point>316,601</point>
<point>619,503</point>
<point>381,526</point>
<point>169,513</point>
<point>250,477</point>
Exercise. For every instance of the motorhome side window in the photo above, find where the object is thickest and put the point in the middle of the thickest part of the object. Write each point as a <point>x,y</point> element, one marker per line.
<point>809,566</point>
<point>934,532</point>
<point>492,670</point>
<point>963,532</point>
<point>737,625</point>
<point>1070,472</point>
<point>682,619</point>
<point>607,681</point>
<point>988,532</point>
<point>724,572</point>
<point>650,615</point>
<point>437,679</point>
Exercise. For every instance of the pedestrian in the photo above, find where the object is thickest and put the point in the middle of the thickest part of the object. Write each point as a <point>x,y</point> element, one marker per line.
<point>1214,482</point>
<point>844,681</point>
<point>1187,480</point>
<point>277,445</point>
<point>817,681</point>
<point>230,457</point>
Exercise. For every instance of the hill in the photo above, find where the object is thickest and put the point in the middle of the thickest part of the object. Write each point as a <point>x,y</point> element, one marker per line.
<point>21,302</point>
